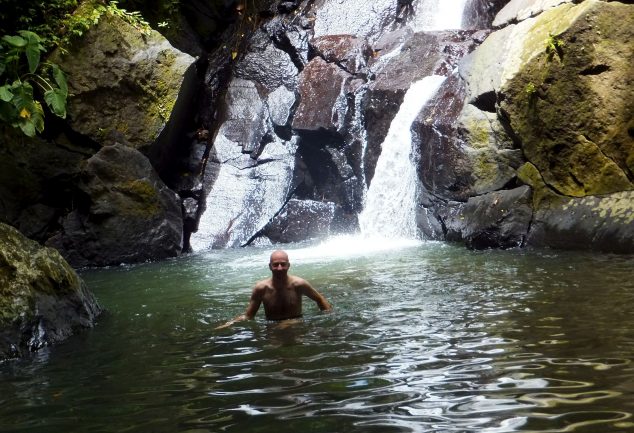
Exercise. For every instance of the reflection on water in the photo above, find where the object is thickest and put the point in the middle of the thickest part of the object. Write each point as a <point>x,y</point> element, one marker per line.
<point>423,338</point>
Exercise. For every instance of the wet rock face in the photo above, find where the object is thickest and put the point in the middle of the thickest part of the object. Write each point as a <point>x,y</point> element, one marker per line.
<point>300,220</point>
<point>498,219</point>
<point>126,214</point>
<point>332,81</point>
<point>479,14</point>
<point>353,17</point>
<point>320,87</point>
<point>42,300</point>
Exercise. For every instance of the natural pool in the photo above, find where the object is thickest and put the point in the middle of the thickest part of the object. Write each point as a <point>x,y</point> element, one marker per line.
<point>423,338</point>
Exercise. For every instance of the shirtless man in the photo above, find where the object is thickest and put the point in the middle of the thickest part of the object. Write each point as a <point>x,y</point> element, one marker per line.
<point>281,294</point>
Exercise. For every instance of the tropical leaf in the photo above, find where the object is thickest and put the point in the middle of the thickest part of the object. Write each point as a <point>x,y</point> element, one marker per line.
<point>32,49</point>
<point>7,112</point>
<point>6,94</point>
<point>34,122</point>
<point>56,101</point>
<point>15,41</point>
<point>60,79</point>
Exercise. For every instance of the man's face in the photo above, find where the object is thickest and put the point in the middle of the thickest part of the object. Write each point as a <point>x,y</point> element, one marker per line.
<point>279,264</point>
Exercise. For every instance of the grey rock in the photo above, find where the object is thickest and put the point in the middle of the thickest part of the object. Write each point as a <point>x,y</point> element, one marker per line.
<point>128,215</point>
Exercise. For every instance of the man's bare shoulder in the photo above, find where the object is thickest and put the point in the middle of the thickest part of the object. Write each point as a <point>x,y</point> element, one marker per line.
<point>297,282</point>
<point>262,285</point>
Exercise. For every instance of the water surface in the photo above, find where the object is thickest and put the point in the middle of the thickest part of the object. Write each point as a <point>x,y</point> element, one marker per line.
<point>426,338</point>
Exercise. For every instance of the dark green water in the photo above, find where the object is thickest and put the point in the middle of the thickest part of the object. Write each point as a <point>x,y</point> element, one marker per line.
<point>431,338</point>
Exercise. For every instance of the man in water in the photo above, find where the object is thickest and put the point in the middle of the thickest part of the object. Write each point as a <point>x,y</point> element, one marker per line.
<point>281,294</point>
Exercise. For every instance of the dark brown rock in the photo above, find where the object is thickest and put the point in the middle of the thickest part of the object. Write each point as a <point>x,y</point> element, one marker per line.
<point>321,84</point>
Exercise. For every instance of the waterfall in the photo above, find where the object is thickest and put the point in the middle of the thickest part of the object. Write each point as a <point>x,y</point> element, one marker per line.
<point>432,15</point>
<point>390,206</point>
<point>390,202</point>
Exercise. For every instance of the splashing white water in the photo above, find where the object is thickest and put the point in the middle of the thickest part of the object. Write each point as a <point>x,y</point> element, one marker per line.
<point>432,15</point>
<point>390,203</point>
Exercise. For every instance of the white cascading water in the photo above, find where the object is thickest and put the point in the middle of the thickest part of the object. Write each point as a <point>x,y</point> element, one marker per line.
<point>389,209</point>
<point>388,220</point>
<point>389,213</point>
<point>433,15</point>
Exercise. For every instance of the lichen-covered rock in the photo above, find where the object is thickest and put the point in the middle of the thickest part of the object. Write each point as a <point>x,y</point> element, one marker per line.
<point>571,103</point>
<point>601,223</point>
<point>122,83</point>
<point>126,213</point>
<point>42,300</point>
<point>562,90</point>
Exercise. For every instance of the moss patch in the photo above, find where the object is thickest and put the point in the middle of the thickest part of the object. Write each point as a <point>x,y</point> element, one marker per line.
<point>573,124</point>
<point>141,198</point>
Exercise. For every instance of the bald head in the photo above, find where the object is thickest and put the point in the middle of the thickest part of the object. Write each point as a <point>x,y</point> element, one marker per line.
<point>279,263</point>
<point>278,255</point>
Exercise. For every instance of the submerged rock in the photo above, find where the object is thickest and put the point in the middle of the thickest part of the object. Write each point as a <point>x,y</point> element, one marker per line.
<point>42,300</point>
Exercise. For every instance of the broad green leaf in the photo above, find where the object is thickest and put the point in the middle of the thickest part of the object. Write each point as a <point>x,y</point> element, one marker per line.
<point>22,94</point>
<point>60,79</point>
<point>33,57</point>
<point>31,38</point>
<point>34,122</point>
<point>28,128</point>
<point>56,101</point>
<point>6,94</point>
<point>15,41</point>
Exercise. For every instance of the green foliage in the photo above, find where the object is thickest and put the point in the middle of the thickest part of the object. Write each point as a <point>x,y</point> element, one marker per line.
<point>554,45</point>
<point>88,15</point>
<point>24,82</point>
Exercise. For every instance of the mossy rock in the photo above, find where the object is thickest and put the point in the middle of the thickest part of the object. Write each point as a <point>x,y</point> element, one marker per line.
<point>128,215</point>
<point>42,299</point>
<point>123,81</point>
<point>570,102</point>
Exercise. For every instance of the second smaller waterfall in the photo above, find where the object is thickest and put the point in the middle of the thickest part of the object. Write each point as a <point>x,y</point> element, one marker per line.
<point>390,208</point>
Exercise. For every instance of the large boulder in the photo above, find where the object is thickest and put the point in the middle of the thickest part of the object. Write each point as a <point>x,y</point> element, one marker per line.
<point>561,95</point>
<point>300,220</point>
<point>123,82</point>
<point>42,300</point>
<point>125,213</point>
<point>499,219</point>
<point>570,101</point>
<point>602,223</point>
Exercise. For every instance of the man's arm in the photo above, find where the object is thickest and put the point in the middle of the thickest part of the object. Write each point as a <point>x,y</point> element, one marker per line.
<point>252,308</point>
<point>313,294</point>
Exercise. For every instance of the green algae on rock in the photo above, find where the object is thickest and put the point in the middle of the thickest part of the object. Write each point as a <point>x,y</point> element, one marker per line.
<point>42,299</point>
